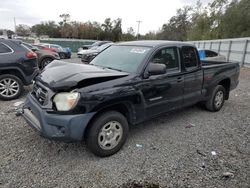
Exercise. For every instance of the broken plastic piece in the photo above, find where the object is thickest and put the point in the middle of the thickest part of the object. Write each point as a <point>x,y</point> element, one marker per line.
<point>16,104</point>
<point>214,153</point>
<point>189,125</point>
<point>139,145</point>
<point>228,175</point>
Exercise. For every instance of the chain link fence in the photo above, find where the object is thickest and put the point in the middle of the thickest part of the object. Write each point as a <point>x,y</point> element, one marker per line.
<point>74,44</point>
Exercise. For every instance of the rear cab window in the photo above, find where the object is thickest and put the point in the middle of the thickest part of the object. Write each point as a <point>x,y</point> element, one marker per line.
<point>190,58</point>
<point>5,49</point>
<point>169,57</point>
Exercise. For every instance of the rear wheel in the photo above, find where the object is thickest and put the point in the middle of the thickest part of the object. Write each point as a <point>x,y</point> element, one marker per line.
<point>10,87</point>
<point>217,99</point>
<point>45,62</point>
<point>107,134</point>
<point>62,55</point>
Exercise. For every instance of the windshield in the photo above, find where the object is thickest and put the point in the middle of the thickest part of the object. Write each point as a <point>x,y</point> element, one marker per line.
<point>123,58</point>
<point>104,46</point>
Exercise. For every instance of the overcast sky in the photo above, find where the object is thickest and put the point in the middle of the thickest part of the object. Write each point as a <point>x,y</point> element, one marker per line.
<point>152,13</point>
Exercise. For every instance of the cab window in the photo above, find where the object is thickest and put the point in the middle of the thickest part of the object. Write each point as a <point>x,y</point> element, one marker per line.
<point>190,58</point>
<point>169,57</point>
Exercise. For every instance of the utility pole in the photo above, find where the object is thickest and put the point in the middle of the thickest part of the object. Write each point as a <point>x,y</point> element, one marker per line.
<point>15,24</point>
<point>138,29</point>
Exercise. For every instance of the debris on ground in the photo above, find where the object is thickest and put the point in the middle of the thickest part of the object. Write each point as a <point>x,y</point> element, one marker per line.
<point>135,184</point>
<point>18,103</point>
<point>228,175</point>
<point>203,165</point>
<point>190,125</point>
<point>213,153</point>
<point>139,146</point>
<point>201,153</point>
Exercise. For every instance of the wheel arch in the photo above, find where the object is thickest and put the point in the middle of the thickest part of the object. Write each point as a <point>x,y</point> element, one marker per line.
<point>226,84</point>
<point>125,108</point>
<point>45,57</point>
<point>15,72</point>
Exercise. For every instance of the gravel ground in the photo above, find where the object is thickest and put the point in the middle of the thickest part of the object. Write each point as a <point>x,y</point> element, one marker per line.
<point>187,148</point>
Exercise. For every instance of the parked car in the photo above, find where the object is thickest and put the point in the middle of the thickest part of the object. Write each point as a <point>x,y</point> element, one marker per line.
<point>41,47</point>
<point>93,46</point>
<point>210,55</point>
<point>63,52</point>
<point>90,54</point>
<point>44,56</point>
<point>128,83</point>
<point>18,67</point>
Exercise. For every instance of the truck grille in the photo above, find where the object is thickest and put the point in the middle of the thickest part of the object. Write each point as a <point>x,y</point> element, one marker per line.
<point>40,94</point>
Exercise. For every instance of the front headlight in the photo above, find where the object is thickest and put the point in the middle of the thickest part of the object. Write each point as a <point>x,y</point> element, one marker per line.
<point>66,101</point>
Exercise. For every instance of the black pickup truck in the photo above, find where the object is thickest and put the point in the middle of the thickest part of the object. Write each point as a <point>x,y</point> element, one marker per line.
<point>126,84</point>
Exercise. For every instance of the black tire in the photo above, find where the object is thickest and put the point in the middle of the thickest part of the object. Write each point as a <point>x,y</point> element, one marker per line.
<point>94,133</point>
<point>62,55</point>
<point>18,87</point>
<point>211,103</point>
<point>45,62</point>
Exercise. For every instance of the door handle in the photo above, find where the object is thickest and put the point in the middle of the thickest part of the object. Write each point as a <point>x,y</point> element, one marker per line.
<point>179,79</point>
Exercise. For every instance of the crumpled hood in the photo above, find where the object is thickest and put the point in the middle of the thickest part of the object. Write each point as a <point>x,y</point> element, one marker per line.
<point>62,75</point>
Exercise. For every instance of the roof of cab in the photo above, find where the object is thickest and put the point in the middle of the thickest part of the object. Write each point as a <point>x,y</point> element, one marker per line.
<point>155,43</point>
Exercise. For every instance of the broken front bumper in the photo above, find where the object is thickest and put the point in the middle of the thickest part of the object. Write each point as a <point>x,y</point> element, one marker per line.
<point>55,126</point>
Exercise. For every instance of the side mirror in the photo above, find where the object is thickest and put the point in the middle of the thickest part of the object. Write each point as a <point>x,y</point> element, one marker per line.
<point>156,69</point>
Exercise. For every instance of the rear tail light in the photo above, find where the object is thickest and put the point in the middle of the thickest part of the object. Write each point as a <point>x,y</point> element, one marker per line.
<point>53,49</point>
<point>31,55</point>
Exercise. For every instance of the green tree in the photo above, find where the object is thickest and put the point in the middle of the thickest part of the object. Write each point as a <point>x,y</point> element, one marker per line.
<point>117,29</point>
<point>65,17</point>
<point>49,28</point>
<point>23,30</point>
<point>236,20</point>
<point>178,26</point>
<point>129,35</point>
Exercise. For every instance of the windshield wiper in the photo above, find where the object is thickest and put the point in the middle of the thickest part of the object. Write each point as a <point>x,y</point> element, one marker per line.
<point>113,69</point>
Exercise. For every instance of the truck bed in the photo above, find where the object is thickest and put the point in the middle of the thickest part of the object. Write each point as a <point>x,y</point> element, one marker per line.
<point>217,70</point>
<point>207,63</point>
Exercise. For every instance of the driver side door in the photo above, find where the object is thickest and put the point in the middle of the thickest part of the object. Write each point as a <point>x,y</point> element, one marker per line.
<point>164,92</point>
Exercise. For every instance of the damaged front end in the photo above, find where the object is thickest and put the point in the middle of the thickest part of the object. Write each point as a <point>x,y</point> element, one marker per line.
<point>56,107</point>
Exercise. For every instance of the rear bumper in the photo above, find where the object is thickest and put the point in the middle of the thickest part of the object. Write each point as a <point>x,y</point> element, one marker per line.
<point>68,55</point>
<point>55,126</point>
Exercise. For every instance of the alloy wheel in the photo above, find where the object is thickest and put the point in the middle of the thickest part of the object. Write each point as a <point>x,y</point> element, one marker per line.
<point>9,87</point>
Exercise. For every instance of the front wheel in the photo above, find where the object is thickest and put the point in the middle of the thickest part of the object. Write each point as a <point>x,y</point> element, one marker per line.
<point>107,134</point>
<point>216,101</point>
